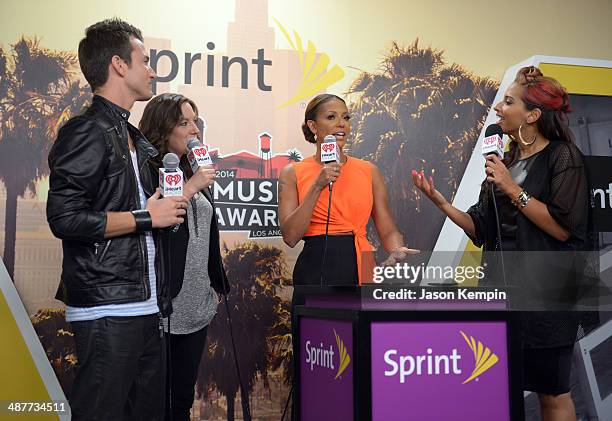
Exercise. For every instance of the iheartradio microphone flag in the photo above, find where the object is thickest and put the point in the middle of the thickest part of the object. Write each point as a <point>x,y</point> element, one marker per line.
<point>171,182</point>
<point>170,176</point>
<point>198,155</point>
<point>329,150</point>
<point>493,141</point>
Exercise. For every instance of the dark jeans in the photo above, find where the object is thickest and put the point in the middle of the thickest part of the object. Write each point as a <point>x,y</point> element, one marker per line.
<point>120,369</point>
<point>185,355</point>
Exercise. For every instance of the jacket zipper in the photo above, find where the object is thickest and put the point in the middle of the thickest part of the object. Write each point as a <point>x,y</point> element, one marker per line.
<point>141,248</point>
<point>104,250</point>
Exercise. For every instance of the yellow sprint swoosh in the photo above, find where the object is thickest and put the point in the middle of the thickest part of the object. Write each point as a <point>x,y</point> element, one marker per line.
<point>484,358</point>
<point>345,359</point>
<point>315,76</point>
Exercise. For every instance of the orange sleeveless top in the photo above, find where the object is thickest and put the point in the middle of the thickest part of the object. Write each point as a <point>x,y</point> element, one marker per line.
<point>351,206</point>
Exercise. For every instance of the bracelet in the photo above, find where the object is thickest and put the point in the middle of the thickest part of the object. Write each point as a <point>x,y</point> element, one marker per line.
<point>143,220</point>
<point>521,199</point>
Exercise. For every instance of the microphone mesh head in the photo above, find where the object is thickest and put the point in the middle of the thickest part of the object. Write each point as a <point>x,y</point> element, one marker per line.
<point>171,161</point>
<point>193,143</point>
<point>494,129</point>
<point>329,138</point>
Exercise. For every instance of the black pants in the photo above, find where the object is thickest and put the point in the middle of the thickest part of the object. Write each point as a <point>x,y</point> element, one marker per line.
<point>185,355</point>
<point>120,369</point>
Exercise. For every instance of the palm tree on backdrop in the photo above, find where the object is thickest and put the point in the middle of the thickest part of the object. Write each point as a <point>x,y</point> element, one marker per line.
<point>256,274</point>
<point>294,155</point>
<point>418,112</point>
<point>281,343</point>
<point>58,342</point>
<point>37,95</point>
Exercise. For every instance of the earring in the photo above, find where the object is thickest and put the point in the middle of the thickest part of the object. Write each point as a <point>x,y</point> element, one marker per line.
<point>523,140</point>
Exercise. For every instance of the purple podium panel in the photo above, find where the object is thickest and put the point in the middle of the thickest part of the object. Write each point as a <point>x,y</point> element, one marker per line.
<point>431,371</point>
<point>326,370</point>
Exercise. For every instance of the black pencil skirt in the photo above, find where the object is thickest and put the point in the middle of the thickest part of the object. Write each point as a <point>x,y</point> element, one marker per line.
<point>339,261</point>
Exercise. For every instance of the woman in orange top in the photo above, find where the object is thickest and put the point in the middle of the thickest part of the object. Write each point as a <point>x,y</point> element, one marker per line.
<point>358,193</point>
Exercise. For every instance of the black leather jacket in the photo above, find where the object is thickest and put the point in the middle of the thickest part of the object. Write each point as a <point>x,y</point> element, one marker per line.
<point>92,174</point>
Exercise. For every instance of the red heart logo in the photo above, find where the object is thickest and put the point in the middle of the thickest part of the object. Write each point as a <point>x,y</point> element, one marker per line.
<point>328,147</point>
<point>201,152</point>
<point>173,179</point>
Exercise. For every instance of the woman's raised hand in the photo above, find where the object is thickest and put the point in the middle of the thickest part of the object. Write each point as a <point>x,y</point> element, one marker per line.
<point>428,187</point>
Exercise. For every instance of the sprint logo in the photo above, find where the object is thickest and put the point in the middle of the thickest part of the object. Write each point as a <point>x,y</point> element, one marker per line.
<point>315,76</point>
<point>484,358</point>
<point>345,358</point>
<point>440,364</point>
<point>323,356</point>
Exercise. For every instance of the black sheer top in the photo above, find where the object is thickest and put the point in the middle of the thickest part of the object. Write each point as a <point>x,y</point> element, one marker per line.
<point>555,176</point>
<point>550,270</point>
<point>507,211</point>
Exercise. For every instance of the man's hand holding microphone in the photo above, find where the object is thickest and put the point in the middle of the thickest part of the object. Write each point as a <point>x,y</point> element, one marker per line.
<point>166,211</point>
<point>167,206</point>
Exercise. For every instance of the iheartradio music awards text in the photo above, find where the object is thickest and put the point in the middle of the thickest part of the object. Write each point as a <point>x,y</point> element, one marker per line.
<point>247,204</point>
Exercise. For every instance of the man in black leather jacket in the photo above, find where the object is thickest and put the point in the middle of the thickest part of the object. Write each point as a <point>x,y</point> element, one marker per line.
<point>103,207</point>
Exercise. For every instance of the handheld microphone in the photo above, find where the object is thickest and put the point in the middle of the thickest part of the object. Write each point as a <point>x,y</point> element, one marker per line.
<point>329,152</point>
<point>198,154</point>
<point>493,142</point>
<point>171,179</point>
<point>170,176</point>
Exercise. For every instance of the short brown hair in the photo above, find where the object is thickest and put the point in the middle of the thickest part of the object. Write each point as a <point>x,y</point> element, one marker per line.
<point>103,40</point>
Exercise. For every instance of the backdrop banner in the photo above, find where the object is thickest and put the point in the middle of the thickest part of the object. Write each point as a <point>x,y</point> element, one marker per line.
<point>419,84</point>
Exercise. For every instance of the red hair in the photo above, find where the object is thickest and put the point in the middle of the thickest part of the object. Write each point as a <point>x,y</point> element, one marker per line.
<point>541,91</point>
<point>546,94</point>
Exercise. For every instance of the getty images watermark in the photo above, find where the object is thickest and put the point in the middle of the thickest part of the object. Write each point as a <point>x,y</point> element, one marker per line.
<point>408,282</point>
<point>522,280</point>
<point>407,273</point>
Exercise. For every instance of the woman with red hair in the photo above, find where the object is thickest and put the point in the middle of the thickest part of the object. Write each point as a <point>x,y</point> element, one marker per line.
<point>541,195</point>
